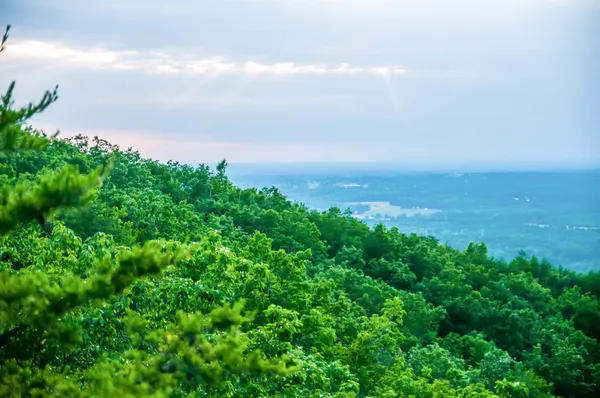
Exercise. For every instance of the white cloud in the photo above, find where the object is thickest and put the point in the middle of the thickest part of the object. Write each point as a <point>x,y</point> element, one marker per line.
<point>158,62</point>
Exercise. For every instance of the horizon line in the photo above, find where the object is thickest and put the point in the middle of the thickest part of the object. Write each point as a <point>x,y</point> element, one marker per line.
<point>403,167</point>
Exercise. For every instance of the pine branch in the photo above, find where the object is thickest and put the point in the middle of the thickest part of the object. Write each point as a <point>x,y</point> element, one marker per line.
<point>4,38</point>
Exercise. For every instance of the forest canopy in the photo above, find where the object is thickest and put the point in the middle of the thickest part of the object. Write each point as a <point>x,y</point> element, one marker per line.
<point>124,276</point>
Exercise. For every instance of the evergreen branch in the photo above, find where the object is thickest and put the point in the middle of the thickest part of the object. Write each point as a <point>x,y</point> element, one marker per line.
<point>23,203</point>
<point>4,38</point>
<point>55,301</point>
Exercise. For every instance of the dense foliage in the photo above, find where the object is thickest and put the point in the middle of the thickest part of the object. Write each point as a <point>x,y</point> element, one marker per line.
<point>121,276</point>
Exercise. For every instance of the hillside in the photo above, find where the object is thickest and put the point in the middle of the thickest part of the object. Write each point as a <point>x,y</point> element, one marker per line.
<point>121,276</point>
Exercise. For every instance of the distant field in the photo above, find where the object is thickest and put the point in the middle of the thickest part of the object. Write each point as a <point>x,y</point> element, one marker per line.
<point>386,211</point>
<point>555,215</point>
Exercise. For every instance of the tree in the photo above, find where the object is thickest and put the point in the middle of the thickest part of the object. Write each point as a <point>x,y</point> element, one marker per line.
<point>39,331</point>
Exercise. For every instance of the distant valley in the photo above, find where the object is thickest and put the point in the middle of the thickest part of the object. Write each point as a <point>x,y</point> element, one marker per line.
<point>553,215</point>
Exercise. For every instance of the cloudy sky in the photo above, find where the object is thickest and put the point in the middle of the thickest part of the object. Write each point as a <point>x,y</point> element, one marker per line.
<point>429,83</point>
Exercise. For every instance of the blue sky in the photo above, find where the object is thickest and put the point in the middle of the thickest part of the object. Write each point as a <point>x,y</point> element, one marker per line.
<point>421,83</point>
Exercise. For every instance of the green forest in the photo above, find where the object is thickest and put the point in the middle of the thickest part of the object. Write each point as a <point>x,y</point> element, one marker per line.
<point>125,277</point>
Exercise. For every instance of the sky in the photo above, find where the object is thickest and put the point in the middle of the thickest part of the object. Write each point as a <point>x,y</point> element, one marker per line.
<point>462,83</point>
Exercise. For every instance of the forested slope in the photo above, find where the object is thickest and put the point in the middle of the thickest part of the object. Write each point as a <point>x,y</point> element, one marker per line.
<point>121,276</point>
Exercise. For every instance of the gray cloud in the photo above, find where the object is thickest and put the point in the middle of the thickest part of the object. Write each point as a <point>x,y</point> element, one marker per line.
<point>501,80</point>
